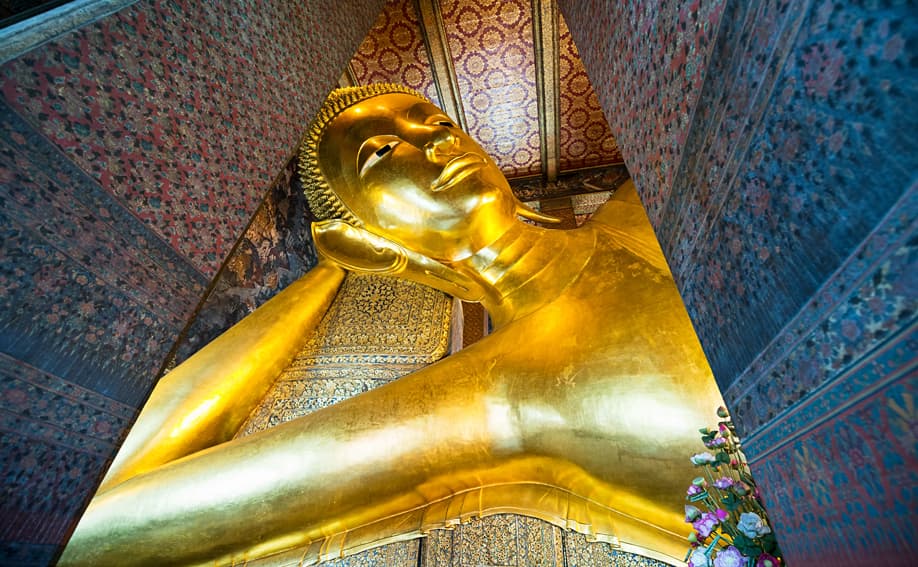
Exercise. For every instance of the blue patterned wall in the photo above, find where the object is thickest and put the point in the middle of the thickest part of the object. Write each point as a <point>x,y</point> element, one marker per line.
<point>133,152</point>
<point>773,145</point>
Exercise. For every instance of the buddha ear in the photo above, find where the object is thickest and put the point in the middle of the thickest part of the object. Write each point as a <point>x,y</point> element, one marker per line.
<point>356,249</point>
<point>359,250</point>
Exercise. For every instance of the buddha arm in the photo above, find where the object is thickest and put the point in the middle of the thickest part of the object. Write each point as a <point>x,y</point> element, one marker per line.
<point>480,432</point>
<point>323,474</point>
<point>205,400</point>
<point>580,420</point>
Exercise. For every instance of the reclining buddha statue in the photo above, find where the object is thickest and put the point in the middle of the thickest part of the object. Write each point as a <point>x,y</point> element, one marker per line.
<point>579,409</point>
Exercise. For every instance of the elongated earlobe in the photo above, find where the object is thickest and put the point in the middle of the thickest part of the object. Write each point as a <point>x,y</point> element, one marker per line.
<point>359,250</point>
<point>533,215</point>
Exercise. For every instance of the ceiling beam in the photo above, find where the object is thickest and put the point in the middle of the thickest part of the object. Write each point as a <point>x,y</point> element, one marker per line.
<point>548,83</point>
<point>348,78</point>
<point>441,61</point>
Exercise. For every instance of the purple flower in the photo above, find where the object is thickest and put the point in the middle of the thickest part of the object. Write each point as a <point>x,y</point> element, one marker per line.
<point>694,489</point>
<point>705,524</point>
<point>723,482</point>
<point>766,560</point>
<point>752,525</point>
<point>729,557</point>
<point>721,514</point>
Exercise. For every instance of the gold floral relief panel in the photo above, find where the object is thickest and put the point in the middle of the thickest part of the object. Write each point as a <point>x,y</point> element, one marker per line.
<point>400,554</point>
<point>376,330</point>
<point>510,540</point>
<point>503,540</point>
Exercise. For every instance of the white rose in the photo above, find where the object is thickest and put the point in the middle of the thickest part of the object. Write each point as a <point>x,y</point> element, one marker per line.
<point>703,458</point>
<point>699,559</point>
<point>752,525</point>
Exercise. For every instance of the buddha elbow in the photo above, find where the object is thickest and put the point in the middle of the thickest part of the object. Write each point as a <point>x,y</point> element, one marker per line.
<point>503,429</point>
<point>515,430</point>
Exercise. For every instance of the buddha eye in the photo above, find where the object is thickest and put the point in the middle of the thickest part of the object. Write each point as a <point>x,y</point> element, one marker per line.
<point>380,153</point>
<point>439,119</point>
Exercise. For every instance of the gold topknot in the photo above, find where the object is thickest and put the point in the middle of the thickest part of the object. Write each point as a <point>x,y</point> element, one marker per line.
<point>323,202</point>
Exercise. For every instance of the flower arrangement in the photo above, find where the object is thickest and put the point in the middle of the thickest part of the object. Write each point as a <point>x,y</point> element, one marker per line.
<point>730,524</point>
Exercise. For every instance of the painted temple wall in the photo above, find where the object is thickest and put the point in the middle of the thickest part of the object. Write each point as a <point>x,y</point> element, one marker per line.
<point>273,252</point>
<point>772,145</point>
<point>135,151</point>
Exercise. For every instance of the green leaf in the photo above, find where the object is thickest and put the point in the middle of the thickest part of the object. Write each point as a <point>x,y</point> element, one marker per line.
<point>746,545</point>
<point>722,457</point>
<point>731,502</point>
<point>769,543</point>
<point>742,539</point>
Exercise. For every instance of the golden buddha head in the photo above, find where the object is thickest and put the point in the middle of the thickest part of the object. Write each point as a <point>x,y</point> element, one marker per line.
<point>383,158</point>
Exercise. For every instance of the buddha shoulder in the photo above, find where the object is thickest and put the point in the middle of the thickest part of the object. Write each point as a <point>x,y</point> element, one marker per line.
<point>622,223</point>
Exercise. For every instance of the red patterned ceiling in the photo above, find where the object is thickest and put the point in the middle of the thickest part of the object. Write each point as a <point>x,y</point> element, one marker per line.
<point>394,52</point>
<point>491,45</point>
<point>586,140</point>
<point>494,69</point>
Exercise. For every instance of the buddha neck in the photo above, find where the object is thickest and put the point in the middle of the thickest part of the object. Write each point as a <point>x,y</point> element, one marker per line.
<point>527,267</point>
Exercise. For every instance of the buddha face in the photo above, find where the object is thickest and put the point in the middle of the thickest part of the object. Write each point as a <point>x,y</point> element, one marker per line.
<point>410,175</point>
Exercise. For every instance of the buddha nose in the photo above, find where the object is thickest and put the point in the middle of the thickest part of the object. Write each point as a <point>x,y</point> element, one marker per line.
<point>440,145</point>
